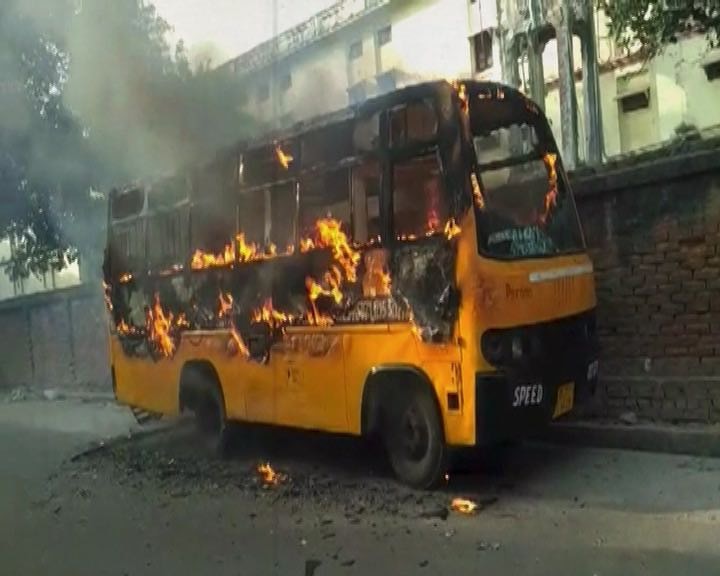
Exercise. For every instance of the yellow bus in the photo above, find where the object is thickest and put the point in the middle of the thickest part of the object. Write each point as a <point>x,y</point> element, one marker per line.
<point>411,269</point>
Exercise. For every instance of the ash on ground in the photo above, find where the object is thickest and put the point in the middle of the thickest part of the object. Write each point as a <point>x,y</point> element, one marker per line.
<point>328,473</point>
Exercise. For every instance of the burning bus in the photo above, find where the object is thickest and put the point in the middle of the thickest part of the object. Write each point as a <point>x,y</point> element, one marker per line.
<point>411,269</point>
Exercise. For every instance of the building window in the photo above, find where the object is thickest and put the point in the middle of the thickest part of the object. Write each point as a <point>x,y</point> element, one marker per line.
<point>285,82</point>
<point>482,46</point>
<point>263,92</point>
<point>712,70</point>
<point>419,204</point>
<point>636,101</point>
<point>356,50</point>
<point>384,36</point>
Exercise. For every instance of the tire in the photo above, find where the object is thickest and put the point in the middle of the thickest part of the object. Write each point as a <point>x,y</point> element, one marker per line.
<point>414,438</point>
<point>212,424</point>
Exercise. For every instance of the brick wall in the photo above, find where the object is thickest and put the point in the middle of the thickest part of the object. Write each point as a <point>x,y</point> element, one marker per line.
<point>55,340</point>
<point>653,230</point>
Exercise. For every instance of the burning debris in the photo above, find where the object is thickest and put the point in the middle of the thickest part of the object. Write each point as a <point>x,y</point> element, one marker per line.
<point>284,158</point>
<point>464,506</point>
<point>268,476</point>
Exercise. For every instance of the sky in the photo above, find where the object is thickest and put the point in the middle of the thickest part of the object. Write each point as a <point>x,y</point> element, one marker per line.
<point>222,29</point>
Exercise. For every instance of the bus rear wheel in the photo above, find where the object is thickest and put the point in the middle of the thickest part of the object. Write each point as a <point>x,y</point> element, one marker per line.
<point>211,424</point>
<point>414,439</point>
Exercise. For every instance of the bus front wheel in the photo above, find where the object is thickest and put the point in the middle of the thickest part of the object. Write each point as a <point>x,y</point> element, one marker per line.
<point>414,438</point>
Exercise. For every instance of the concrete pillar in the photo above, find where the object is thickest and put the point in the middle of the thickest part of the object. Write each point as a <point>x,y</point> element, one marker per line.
<point>535,69</point>
<point>561,19</point>
<point>509,59</point>
<point>591,89</point>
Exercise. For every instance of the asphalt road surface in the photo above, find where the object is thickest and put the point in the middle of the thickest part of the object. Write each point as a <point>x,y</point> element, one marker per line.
<point>157,504</point>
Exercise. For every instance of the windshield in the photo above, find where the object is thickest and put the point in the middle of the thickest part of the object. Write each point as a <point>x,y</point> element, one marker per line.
<point>528,210</point>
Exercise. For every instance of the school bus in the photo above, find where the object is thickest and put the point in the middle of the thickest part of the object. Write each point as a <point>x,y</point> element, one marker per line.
<point>411,269</point>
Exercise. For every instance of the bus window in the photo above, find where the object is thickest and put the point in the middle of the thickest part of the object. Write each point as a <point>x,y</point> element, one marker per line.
<point>325,196</point>
<point>251,217</point>
<point>366,201</point>
<point>419,204</point>
<point>127,203</point>
<point>283,215</point>
<point>414,122</point>
<point>167,237</point>
<point>212,226</point>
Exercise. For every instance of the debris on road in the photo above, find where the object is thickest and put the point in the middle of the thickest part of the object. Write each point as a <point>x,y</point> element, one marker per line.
<point>464,506</point>
<point>268,476</point>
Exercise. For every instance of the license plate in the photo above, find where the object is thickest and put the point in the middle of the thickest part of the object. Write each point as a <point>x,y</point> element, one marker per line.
<point>565,399</point>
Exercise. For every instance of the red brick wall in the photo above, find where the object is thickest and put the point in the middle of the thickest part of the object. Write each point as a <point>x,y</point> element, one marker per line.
<point>654,234</point>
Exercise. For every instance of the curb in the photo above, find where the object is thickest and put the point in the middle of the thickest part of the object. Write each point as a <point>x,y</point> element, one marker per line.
<point>693,441</point>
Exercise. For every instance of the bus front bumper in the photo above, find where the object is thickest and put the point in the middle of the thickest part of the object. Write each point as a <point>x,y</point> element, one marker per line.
<point>511,407</point>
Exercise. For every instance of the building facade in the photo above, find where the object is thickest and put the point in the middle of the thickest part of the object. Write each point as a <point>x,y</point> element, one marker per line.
<point>558,51</point>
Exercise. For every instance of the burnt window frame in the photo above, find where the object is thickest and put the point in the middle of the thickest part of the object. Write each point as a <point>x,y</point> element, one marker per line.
<point>545,133</point>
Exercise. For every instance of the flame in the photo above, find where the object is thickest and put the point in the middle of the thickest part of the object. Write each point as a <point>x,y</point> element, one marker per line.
<point>247,252</point>
<point>284,159</point>
<point>107,292</point>
<point>126,330</point>
<point>202,260</point>
<point>225,304</point>
<point>477,192</point>
<point>464,506</point>
<point>330,235</point>
<point>376,281</point>
<point>238,343</point>
<point>552,194</point>
<point>157,327</point>
<point>306,244</point>
<point>461,90</point>
<point>125,278</point>
<point>268,476</point>
<point>452,229</point>
<point>270,316</point>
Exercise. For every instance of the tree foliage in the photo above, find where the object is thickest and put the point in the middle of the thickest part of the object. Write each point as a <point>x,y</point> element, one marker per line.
<point>651,25</point>
<point>93,96</point>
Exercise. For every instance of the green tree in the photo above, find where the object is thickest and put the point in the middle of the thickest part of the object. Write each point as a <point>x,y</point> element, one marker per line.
<point>93,96</point>
<point>651,25</point>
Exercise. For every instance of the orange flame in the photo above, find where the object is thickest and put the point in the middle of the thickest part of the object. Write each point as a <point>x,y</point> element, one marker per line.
<point>552,194</point>
<point>237,343</point>
<point>157,326</point>
<point>202,259</point>
<point>464,506</point>
<point>268,476</point>
<point>125,278</point>
<point>477,192</point>
<point>225,304</point>
<point>376,280</point>
<point>284,159</point>
<point>270,316</point>
<point>452,229</point>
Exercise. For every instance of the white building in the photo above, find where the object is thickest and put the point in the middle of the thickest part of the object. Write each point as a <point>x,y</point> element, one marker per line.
<point>360,48</point>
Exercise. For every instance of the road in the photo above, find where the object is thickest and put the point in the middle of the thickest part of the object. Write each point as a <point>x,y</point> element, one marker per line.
<point>157,504</point>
